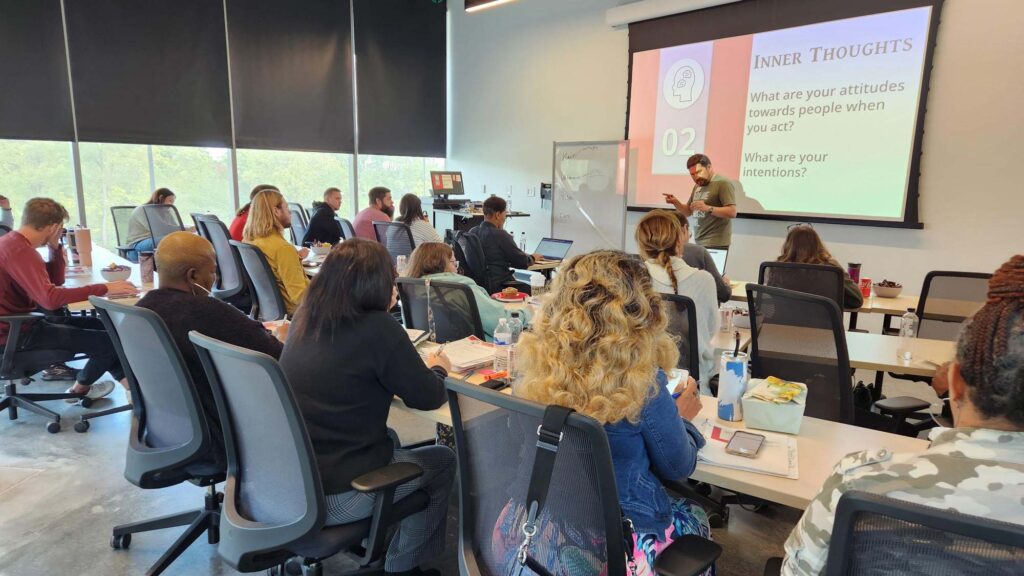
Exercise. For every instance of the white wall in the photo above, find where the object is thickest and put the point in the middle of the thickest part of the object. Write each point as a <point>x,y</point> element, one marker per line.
<point>534,71</point>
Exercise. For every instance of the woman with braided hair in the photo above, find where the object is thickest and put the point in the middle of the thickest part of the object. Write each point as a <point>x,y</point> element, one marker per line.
<point>976,467</point>
<point>660,240</point>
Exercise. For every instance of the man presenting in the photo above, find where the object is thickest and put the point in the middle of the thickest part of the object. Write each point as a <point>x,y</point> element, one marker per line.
<point>712,202</point>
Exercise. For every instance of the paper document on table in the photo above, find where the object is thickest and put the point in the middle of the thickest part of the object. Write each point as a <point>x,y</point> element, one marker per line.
<point>414,334</point>
<point>778,455</point>
<point>466,354</point>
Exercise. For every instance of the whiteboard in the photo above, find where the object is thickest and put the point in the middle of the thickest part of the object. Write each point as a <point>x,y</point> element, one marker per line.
<point>589,194</point>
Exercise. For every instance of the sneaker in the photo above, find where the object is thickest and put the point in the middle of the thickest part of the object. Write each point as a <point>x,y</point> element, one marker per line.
<point>59,372</point>
<point>96,391</point>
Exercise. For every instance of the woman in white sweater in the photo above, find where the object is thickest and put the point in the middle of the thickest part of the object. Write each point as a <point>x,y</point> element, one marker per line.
<point>411,214</point>
<point>660,240</point>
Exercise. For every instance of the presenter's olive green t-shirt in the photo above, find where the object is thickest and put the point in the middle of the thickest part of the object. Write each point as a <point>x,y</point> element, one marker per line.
<point>712,230</point>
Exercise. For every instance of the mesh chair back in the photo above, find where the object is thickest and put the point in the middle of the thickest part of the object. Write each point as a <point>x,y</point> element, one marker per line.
<point>474,264</point>
<point>347,231</point>
<point>496,439</point>
<point>819,279</point>
<point>200,229</point>
<point>947,299</point>
<point>229,264</point>
<point>396,237</point>
<point>163,219</point>
<point>452,305</point>
<point>299,225</point>
<point>297,210</point>
<point>799,337</point>
<point>263,283</point>
<point>169,427</point>
<point>273,495</point>
<point>682,323</point>
<point>876,535</point>
<point>121,215</point>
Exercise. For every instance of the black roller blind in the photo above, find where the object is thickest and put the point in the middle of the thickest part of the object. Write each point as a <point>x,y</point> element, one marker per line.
<point>291,74</point>
<point>150,71</point>
<point>401,77</point>
<point>34,99</point>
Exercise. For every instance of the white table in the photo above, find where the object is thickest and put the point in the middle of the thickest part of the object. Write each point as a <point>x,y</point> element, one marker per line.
<point>102,257</point>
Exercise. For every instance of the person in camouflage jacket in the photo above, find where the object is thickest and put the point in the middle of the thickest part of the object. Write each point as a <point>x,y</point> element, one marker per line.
<point>976,468</point>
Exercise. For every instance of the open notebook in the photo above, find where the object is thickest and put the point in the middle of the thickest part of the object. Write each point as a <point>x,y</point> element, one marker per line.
<point>778,456</point>
<point>467,354</point>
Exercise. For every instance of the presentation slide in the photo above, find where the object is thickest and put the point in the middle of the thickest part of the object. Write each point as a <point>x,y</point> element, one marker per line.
<point>814,121</point>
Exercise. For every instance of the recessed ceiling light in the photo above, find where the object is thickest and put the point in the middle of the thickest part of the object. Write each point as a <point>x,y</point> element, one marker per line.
<point>477,5</point>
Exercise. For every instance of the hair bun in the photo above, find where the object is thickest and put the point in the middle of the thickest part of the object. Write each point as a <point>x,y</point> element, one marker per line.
<point>1008,282</point>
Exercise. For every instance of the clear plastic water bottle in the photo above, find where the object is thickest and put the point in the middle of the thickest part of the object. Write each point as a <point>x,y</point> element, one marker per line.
<point>400,265</point>
<point>537,287</point>
<point>515,326</point>
<point>502,347</point>
<point>908,331</point>
<point>522,241</point>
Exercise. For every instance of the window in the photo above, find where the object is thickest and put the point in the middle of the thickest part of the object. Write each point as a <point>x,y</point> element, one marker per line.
<point>126,175</point>
<point>301,176</point>
<point>402,174</point>
<point>35,168</point>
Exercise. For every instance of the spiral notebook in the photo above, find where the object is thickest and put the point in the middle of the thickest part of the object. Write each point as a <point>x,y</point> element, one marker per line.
<point>778,455</point>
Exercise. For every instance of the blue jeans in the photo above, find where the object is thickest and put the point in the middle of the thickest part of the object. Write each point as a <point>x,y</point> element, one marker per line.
<point>144,245</point>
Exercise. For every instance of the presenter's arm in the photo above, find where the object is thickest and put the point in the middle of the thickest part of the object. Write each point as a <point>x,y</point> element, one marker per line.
<point>683,209</point>
<point>723,211</point>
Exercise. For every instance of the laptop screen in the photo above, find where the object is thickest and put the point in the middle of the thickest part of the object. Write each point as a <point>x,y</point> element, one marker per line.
<point>720,257</point>
<point>553,249</point>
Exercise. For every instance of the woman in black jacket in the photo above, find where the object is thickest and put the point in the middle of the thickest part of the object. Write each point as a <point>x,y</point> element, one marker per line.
<point>346,358</point>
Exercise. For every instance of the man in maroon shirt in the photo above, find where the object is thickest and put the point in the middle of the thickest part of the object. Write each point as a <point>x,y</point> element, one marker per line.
<point>27,283</point>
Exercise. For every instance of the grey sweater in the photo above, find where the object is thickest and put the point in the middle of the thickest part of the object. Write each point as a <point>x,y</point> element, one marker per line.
<point>698,257</point>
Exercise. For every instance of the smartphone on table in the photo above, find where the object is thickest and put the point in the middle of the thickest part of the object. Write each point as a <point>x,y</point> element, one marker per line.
<point>745,444</point>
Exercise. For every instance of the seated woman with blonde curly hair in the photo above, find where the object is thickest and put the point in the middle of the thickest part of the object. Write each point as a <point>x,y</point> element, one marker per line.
<point>599,346</point>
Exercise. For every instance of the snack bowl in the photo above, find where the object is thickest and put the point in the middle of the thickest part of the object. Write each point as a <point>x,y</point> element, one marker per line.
<point>887,291</point>
<point>320,250</point>
<point>116,274</point>
<point>741,320</point>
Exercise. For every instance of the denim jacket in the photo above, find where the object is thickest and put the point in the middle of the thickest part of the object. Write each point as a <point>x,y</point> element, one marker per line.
<point>660,445</point>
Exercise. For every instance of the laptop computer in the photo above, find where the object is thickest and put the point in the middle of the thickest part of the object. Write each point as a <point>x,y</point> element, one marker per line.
<point>720,257</point>
<point>553,249</point>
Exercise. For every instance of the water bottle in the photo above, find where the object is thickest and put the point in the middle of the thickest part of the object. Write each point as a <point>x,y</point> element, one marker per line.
<point>522,241</point>
<point>908,331</point>
<point>502,347</point>
<point>515,326</point>
<point>537,287</point>
<point>400,265</point>
<point>732,384</point>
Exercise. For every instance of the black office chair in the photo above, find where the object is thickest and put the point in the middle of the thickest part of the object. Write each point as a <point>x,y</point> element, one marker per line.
<point>163,219</point>
<point>396,237</point>
<point>799,337</point>
<point>267,304</point>
<point>819,279</point>
<point>498,437</point>
<point>297,210</point>
<point>452,305</point>
<point>299,225</point>
<point>4,230</point>
<point>121,215</point>
<point>22,365</point>
<point>274,500</point>
<point>231,285</point>
<point>682,321</point>
<point>474,262</point>
<point>170,441</point>
<point>876,535</point>
<point>200,230</point>
<point>348,232</point>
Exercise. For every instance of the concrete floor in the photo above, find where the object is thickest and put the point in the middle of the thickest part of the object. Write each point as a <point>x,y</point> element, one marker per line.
<point>60,495</point>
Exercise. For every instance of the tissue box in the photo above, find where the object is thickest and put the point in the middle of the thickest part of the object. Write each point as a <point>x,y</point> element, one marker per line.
<point>772,416</point>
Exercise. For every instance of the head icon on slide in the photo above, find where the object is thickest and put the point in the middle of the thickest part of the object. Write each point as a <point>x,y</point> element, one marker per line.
<point>683,83</point>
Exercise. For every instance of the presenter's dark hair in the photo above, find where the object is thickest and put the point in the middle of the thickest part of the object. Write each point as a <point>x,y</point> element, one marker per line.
<point>357,277</point>
<point>698,159</point>
<point>159,195</point>
<point>411,209</point>
<point>378,193</point>
<point>494,205</point>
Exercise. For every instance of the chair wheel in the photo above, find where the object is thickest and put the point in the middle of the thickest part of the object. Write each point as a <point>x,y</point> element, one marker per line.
<point>121,542</point>
<point>53,427</point>
<point>85,402</point>
<point>82,426</point>
<point>716,520</point>
<point>274,571</point>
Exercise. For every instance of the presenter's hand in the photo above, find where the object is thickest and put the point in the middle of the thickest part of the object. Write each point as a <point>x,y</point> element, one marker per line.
<point>699,206</point>
<point>671,199</point>
<point>688,404</point>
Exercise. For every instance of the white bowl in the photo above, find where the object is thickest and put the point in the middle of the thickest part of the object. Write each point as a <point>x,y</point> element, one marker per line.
<point>741,321</point>
<point>115,275</point>
<point>320,250</point>
<point>887,292</point>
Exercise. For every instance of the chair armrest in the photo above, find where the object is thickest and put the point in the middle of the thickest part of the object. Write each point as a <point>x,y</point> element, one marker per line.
<point>386,477</point>
<point>901,405</point>
<point>14,335</point>
<point>687,556</point>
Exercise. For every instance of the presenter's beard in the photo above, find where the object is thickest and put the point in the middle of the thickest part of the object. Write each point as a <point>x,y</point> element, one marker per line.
<point>702,181</point>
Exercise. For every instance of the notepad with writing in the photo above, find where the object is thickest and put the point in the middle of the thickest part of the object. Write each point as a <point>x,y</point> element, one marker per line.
<point>467,354</point>
<point>778,455</point>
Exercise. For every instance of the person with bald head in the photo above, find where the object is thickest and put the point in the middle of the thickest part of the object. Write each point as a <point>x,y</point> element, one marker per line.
<point>188,269</point>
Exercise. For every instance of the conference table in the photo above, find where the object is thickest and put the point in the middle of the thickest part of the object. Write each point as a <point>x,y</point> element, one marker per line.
<point>76,277</point>
<point>311,265</point>
<point>873,304</point>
